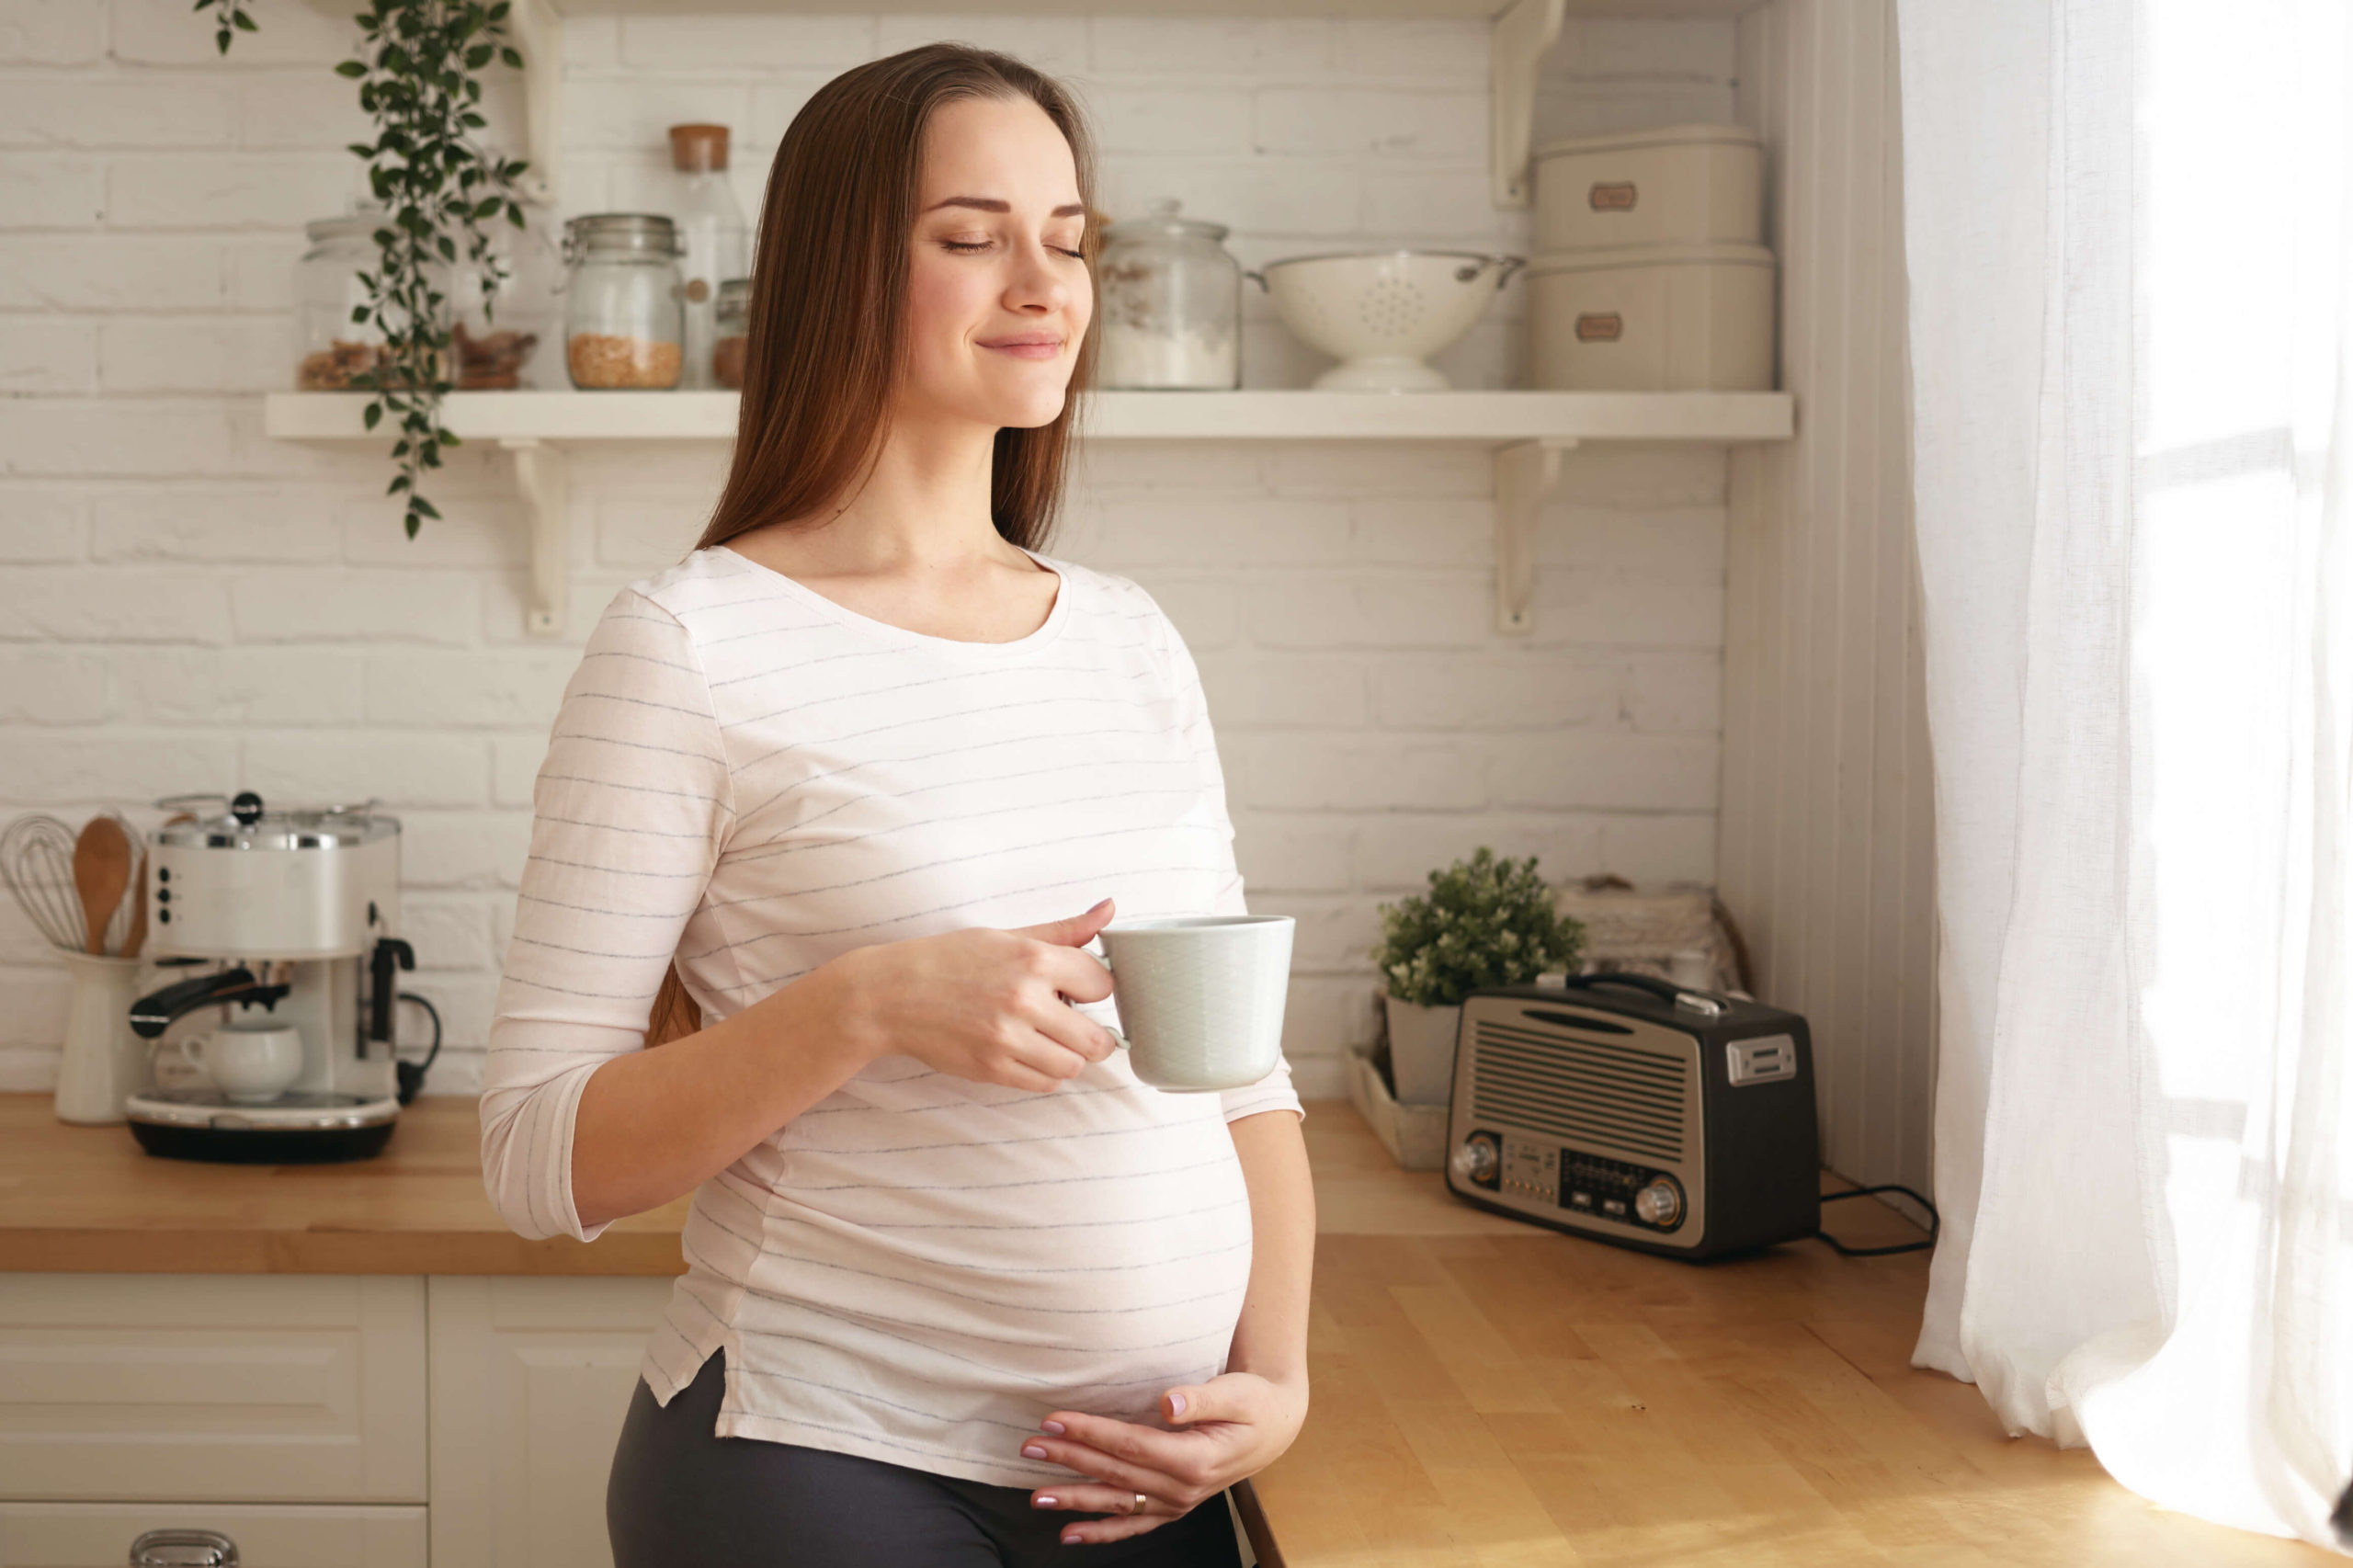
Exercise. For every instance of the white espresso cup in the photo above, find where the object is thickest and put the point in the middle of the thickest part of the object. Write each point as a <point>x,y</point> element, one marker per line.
<point>1200,996</point>
<point>252,1062</point>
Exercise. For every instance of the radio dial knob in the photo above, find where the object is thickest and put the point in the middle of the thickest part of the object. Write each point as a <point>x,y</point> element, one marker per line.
<point>1475,1160</point>
<point>1660,1203</point>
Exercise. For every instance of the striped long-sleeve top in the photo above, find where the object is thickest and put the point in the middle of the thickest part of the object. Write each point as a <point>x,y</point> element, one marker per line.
<point>755,779</point>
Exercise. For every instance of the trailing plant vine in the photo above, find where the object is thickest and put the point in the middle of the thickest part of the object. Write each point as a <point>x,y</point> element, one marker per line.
<point>420,68</point>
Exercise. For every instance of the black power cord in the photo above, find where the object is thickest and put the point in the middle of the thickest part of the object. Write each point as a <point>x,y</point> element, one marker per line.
<point>410,1075</point>
<point>1935,1222</point>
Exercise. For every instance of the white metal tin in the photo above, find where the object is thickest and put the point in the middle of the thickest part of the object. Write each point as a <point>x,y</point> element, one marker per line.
<point>1654,318</point>
<point>1678,184</point>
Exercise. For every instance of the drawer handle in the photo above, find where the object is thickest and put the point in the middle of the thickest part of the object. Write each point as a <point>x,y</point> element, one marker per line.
<point>1613,196</point>
<point>1600,327</point>
<point>183,1549</point>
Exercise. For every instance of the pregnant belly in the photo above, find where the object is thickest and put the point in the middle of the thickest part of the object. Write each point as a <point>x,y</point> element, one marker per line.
<point>1090,1269</point>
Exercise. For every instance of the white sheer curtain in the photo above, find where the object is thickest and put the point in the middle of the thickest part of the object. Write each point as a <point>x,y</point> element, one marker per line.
<point>2126,226</point>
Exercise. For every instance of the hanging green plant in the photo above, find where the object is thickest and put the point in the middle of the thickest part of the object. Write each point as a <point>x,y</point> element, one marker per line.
<point>419,73</point>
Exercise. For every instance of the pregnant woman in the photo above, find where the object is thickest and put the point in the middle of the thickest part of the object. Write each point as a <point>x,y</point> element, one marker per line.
<point>828,814</point>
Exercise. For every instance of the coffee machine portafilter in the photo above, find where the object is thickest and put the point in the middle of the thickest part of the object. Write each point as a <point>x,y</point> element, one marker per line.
<point>282,918</point>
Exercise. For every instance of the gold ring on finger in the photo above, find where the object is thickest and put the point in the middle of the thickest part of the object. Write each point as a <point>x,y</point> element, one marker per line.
<point>1140,1501</point>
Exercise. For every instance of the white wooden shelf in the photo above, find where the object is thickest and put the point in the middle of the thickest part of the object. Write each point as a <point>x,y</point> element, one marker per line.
<point>1526,431</point>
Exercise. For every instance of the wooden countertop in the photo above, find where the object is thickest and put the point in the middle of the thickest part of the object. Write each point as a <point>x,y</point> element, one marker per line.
<point>88,1199</point>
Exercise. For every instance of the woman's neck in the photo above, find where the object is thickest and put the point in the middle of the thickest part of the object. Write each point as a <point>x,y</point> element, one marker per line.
<point>927,501</point>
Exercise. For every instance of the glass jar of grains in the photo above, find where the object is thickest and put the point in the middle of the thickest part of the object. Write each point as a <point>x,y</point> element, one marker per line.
<point>624,321</point>
<point>731,332</point>
<point>1171,304</point>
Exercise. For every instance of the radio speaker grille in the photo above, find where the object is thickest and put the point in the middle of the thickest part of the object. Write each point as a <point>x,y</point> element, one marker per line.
<point>1589,1090</point>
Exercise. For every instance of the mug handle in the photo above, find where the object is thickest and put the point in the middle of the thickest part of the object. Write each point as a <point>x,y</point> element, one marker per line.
<point>1105,959</point>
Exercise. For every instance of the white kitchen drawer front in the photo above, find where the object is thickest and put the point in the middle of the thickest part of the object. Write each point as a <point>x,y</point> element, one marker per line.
<point>530,1381</point>
<point>98,1534</point>
<point>235,1388</point>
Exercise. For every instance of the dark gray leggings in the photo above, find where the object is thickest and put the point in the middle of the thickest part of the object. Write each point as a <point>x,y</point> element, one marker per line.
<point>680,1497</point>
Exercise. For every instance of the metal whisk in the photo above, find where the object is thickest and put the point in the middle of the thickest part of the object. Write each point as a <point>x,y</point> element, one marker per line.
<point>37,862</point>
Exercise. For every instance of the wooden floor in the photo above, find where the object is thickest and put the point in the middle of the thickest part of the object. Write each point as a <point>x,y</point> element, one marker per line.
<point>1486,1392</point>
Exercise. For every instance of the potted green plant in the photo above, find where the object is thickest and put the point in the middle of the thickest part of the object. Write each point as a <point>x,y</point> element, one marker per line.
<point>1485,921</point>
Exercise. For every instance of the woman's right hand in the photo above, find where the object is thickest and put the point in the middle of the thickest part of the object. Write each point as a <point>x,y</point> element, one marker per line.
<point>988,1004</point>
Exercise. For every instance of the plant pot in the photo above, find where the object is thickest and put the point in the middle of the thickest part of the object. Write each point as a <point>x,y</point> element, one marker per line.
<point>1421,1050</point>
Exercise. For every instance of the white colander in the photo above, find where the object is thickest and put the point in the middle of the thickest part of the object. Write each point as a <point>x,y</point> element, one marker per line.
<point>1383,313</point>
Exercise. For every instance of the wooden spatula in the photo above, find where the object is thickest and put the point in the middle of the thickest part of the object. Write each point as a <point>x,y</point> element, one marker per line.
<point>101,874</point>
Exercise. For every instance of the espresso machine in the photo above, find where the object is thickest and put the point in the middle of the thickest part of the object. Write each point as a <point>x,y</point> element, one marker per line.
<point>286,924</point>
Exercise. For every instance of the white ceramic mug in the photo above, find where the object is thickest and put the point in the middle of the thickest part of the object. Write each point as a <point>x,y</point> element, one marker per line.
<point>251,1062</point>
<point>1200,996</point>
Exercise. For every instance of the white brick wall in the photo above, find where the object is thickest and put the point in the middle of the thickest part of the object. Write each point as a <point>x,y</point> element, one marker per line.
<point>185,604</point>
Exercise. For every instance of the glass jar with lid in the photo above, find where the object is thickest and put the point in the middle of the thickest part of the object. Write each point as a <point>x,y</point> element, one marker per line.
<point>623,321</point>
<point>497,346</point>
<point>331,349</point>
<point>1171,304</point>
<point>731,332</point>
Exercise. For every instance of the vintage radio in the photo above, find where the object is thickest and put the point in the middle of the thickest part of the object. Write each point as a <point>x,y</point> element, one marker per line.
<point>1632,1111</point>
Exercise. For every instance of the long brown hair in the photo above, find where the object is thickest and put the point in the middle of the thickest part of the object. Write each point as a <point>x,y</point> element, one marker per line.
<point>828,310</point>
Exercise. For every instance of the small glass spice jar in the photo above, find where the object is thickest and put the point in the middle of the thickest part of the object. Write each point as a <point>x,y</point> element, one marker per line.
<point>624,322</point>
<point>731,332</point>
<point>331,349</point>
<point>1171,304</point>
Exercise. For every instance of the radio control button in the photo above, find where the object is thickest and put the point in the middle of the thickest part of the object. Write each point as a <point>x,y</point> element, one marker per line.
<point>1660,1204</point>
<point>1476,1160</point>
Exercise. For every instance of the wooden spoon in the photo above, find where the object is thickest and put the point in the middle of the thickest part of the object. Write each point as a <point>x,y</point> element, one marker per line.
<point>101,873</point>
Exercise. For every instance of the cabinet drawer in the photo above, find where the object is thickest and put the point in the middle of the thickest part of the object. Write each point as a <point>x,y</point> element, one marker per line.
<point>98,1534</point>
<point>230,1388</point>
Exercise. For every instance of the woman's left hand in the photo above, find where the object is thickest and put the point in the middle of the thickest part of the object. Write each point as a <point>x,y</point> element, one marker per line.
<point>1228,1429</point>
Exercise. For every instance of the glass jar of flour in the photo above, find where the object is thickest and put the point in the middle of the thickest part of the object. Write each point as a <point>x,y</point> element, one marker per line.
<point>1172,305</point>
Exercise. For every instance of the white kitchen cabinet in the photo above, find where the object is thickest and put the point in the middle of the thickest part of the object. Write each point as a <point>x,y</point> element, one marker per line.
<point>530,1381</point>
<point>98,1534</point>
<point>226,1387</point>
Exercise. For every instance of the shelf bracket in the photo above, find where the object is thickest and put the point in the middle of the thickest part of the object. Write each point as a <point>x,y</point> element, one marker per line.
<point>1525,475</point>
<point>1518,40</point>
<point>542,477</point>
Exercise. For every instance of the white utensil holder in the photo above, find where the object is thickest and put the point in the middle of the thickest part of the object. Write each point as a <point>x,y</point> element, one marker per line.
<point>103,1062</point>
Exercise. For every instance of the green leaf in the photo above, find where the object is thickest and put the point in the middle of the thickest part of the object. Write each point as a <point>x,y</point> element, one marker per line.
<point>479,56</point>
<point>409,523</point>
<point>244,23</point>
<point>374,412</point>
<point>351,68</point>
<point>512,56</point>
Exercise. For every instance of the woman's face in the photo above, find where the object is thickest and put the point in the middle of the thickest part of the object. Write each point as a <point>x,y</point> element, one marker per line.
<point>997,297</point>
